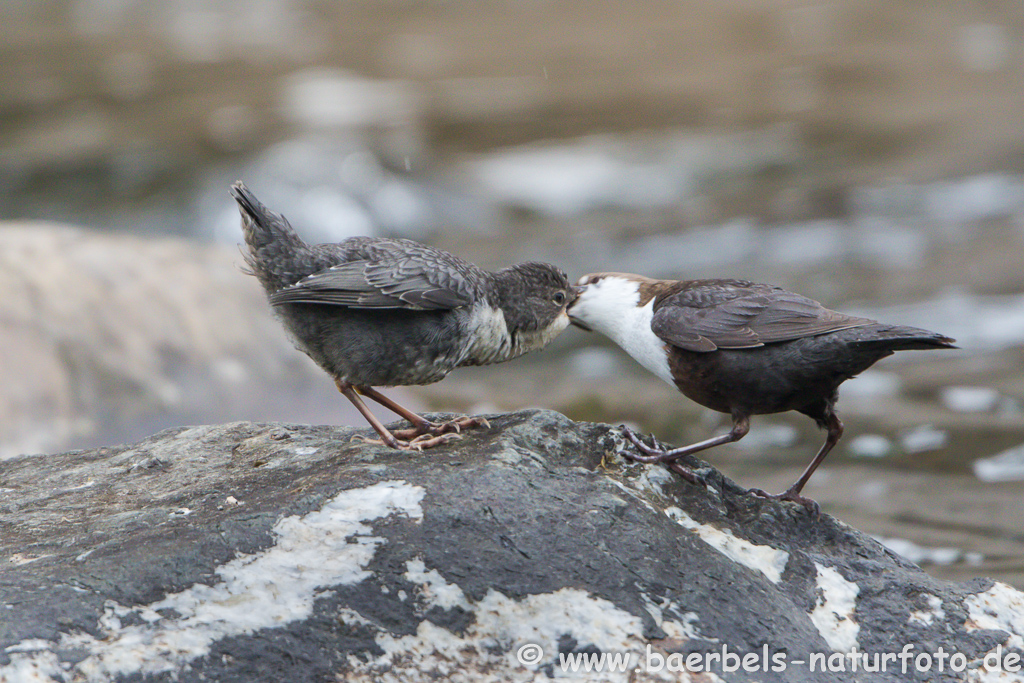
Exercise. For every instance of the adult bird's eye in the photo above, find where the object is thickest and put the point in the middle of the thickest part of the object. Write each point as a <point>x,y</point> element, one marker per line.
<point>559,298</point>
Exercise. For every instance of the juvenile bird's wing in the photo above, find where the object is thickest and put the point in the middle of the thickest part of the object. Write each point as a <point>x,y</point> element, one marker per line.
<point>388,274</point>
<point>732,314</point>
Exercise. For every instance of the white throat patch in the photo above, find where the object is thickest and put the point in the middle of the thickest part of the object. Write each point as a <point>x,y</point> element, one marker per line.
<point>609,306</point>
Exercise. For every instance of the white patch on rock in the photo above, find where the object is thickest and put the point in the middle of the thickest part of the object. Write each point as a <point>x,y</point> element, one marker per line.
<point>486,652</point>
<point>327,547</point>
<point>833,613</point>
<point>929,616</point>
<point>763,558</point>
<point>633,494</point>
<point>1000,608</point>
<point>683,628</point>
<point>652,480</point>
<point>32,661</point>
<point>434,590</point>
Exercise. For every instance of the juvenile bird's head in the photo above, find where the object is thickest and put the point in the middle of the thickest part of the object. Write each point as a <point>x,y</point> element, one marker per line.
<point>534,298</point>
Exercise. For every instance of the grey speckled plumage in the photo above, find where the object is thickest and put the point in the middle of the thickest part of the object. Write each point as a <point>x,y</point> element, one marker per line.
<point>389,312</point>
<point>741,348</point>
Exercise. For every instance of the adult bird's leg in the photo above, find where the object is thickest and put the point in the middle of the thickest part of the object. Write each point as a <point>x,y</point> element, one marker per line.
<point>420,425</point>
<point>740,427</point>
<point>349,391</point>
<point>835,432</point>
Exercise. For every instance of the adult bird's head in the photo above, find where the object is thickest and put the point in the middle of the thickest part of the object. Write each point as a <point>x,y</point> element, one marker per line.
<point>604,300</point>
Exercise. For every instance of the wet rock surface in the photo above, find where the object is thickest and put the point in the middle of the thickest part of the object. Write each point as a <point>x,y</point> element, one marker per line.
<point>250,552</point>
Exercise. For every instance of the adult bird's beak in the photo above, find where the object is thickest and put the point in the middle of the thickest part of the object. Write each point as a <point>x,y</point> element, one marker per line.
<point>575,322</point>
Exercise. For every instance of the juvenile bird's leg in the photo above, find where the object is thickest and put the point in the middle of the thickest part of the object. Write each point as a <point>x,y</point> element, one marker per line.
<point>387,438</point>
<point>420,425</point>
<point>740,427</point>
<point>835,432</point>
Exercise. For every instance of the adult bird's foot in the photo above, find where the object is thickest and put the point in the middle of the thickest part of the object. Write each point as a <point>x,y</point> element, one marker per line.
<point>652,453</point>
<point>686,473</point>
<point>656,453</point>
<point>433,429</point>
<point>419,443</point>
<point>793,496</point>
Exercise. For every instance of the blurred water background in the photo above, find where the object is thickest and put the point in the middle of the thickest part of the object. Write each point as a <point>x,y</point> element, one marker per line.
<point>866,153</point>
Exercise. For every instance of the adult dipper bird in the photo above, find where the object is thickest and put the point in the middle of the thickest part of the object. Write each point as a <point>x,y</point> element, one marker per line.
<point>385,312</point>
<point>740,348</point>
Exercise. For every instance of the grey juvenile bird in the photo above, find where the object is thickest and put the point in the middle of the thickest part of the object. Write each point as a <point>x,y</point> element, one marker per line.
<point>740,348</point>
<point>387,312</point>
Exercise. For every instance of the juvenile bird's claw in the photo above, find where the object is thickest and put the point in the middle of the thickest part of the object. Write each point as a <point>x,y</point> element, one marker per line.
<point>440,428</point>
<point>418,444</point>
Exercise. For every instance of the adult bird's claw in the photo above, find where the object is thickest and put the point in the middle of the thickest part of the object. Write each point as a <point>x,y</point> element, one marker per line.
<point>657,453</point>
<point>651,454</point>
<point>692,476</point>
<point>792,496</point>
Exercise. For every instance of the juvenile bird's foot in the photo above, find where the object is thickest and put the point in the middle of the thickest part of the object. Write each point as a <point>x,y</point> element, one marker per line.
<point>440,428</point>
<point>658,453</point>
<point>425,441</point>
<point>419,443</point>
<point>791,495</point>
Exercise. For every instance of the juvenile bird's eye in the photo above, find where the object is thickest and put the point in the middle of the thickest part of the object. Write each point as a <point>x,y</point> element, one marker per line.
<point>559,298</point>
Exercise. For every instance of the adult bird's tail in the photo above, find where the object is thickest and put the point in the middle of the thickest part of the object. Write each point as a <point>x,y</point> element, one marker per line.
<point>903,338</point>
<point>273,243</point>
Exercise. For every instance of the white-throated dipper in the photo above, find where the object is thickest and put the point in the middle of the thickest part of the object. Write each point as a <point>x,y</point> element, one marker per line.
<point>393,312</point>
<point>740,348</point>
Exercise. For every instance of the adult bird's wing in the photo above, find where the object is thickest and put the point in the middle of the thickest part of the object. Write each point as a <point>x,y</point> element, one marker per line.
<point>392,275</point>
<point>731,314</point>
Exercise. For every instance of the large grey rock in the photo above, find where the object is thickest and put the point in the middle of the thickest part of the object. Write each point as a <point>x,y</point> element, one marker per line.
<point>279,552</point>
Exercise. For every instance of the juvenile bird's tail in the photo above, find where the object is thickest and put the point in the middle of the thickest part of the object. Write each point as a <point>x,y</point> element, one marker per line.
<point>273,243</point>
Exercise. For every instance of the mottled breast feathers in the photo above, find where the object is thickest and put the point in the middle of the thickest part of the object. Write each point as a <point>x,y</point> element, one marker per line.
<point>387,274</point>
<point>706,315</point>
